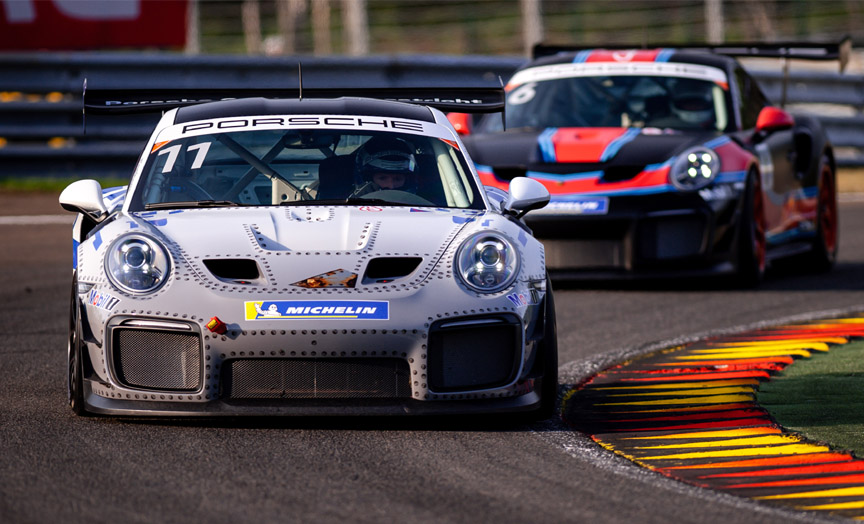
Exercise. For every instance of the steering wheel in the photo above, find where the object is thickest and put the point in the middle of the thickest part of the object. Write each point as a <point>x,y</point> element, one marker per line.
<point>191,188</point>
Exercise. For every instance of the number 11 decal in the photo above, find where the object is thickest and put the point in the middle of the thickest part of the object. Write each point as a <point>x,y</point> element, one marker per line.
<point>173,151</point>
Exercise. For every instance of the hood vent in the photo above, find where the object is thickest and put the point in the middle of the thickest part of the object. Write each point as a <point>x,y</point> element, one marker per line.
<point>619,173</point>
<point>385,269</point>
<point>234,270</point>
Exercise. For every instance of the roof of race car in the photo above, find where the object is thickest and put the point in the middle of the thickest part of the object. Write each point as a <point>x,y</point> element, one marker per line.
<point>337,106</point>
<point>636,55</point>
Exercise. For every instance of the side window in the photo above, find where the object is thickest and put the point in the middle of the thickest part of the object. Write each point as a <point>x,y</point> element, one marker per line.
<point>751,99</point>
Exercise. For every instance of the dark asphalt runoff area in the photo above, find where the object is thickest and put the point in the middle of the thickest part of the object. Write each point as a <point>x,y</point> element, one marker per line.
<point>58,467</point>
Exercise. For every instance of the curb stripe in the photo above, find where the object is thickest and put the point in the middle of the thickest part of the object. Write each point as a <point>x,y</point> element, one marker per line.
<point>689,412</point>
<point>711,434</point>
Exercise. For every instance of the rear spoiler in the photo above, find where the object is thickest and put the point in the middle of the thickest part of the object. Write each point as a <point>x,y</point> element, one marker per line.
<point>839,51</point>
<point>126,101</point>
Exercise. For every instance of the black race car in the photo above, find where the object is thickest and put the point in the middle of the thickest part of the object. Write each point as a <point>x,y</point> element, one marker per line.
<point>663,162</point>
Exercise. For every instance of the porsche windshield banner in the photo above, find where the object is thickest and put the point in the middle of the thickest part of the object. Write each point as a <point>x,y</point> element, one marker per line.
<point>58,25</point>
<point>318,309</point>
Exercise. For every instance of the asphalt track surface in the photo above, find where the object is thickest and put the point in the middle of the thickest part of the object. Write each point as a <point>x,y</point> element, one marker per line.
<point>56,467</point>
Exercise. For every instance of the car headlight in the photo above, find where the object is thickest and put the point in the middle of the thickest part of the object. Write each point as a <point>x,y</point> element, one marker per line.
<point>487,262</point>
<point>137,264</point>
<point>694,169</point>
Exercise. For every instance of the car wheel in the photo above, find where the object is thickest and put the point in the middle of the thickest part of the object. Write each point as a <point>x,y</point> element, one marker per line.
<point>549,359</point>
<point>823,252</point>
<point>75,380</point>
<point>752,246</point>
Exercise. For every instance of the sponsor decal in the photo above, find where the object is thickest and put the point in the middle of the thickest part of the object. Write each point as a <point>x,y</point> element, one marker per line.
<point>281,122</point>
<point>102,300</point>
<point>578,206</point>
<point>720,192</point>
<point>318,309</point>
<point>463,101</point>
<point>335,278</point>
<point>587,65</point>
<point>372,209</point>
<point>530,298</point>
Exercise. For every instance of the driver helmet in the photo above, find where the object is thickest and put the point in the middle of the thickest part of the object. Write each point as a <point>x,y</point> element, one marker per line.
<point>693,105</point>
<point>389,159</point>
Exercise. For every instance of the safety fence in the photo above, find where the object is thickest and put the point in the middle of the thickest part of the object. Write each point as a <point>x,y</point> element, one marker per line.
<point>42,131</point>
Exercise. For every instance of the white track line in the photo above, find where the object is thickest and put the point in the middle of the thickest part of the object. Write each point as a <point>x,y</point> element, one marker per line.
<point>35,220</point>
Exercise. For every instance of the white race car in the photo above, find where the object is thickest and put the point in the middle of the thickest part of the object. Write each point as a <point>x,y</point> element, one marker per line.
<point>309,256</point>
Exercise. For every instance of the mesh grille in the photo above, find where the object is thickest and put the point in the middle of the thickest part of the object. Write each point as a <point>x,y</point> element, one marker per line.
<point>474,356</point>
<point>157,359</point>
<point>316,378</point>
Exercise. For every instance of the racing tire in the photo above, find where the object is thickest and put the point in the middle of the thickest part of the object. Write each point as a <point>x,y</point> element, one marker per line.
<point>823,252</point>
<point>548,355</point>
<point>750,260</point>
<point>75,378</point>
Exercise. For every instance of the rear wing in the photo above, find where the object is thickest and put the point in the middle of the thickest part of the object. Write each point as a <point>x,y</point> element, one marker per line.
<point>126,101</point>
<point>839,51</point>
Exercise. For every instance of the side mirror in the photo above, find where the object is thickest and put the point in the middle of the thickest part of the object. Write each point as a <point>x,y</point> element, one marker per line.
<point>525,194</point>
<point>461,122</point>
<point>774,119</point>
<point>84,196</point>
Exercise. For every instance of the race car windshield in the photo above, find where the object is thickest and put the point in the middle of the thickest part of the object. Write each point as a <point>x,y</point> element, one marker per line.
<point>616,101</point>
<point>305,167</point>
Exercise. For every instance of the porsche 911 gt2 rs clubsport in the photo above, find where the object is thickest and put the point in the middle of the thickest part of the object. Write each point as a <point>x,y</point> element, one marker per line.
<point>320,256</point>
<point>663,162</point>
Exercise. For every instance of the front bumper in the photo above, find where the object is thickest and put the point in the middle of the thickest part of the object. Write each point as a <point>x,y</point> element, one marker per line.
<point>149,366</point>
<point>641,236</point>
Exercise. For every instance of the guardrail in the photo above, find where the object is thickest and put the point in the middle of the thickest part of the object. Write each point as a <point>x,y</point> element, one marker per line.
<point>41,131</point>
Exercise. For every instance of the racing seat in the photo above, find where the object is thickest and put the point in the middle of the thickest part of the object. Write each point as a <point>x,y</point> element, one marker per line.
<point>335,177</point>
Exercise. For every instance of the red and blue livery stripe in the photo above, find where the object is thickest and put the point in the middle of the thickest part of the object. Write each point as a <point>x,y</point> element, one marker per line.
<point>653,179</point>
<point>623,55</point>
<point>583,144</point>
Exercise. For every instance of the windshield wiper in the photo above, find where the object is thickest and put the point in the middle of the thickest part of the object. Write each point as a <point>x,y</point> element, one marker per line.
<point>190,204</point>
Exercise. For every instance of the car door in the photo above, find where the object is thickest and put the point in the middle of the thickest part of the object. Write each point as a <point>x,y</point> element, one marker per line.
<point>777,158</point>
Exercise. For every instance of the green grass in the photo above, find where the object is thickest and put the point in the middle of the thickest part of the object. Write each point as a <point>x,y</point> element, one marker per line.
<point>49,184</point>
<point>821,397</point>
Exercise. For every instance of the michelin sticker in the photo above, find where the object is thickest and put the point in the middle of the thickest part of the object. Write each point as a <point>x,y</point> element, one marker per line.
<point>101,300</point>
<point>318,309</point>
<point>578,206</point>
